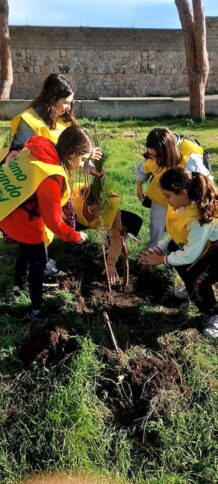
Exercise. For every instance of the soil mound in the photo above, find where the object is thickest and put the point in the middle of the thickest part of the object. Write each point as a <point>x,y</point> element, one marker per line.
<point>43,344</point>
<point>130,385</point>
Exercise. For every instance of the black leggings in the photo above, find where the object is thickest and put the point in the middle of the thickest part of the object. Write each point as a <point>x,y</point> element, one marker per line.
<point>199,278</point>
<point>32,257</point>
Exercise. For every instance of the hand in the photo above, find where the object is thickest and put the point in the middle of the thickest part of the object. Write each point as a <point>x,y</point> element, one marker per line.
<point>11,155</point>
<point>100,174</point>
<point>112,274</point>
<point>96,153</point>
<point>151,257</point>
<point>83,237</point>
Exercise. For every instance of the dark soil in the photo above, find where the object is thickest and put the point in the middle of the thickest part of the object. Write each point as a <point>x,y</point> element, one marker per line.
<point>44,344</point>
<point>82,267</point>
<point>129,386</point>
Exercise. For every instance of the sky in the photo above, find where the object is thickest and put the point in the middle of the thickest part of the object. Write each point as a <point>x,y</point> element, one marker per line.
<point>100,13</point>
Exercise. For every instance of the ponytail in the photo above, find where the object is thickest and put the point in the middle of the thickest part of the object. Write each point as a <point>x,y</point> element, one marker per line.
<point>204,193</point>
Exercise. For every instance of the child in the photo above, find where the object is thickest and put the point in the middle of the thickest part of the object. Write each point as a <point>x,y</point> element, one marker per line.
<point>48,115</point>
<point>90,212</point>
<point>164,149</point>
<point>192,244</point>
<point>34,186</point>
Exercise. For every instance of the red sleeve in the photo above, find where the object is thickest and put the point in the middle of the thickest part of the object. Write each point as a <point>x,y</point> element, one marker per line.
<point>49,201</point>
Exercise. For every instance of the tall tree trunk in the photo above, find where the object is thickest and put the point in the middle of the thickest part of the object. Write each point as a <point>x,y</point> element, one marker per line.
<point>194,30</point>
<point>6,76</point>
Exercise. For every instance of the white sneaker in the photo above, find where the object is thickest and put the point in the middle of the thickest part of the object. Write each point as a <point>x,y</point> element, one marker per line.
<point>210,326</point>
<point>50,268</point>
<point>181,293</point>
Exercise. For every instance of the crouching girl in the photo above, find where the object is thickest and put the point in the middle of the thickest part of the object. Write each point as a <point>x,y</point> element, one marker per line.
<point>33,188</point>
<point>192,244</point>
<point>92,213</point>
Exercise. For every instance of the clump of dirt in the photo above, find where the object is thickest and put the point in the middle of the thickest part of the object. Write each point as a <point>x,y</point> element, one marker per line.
<point>155,282</point>
<point>44,344</point>
<point>129,387</point>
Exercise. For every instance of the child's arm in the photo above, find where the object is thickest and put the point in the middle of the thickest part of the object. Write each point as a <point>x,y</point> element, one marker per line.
<point>49,201</point>
<point>141,177</point>
<point>114,248</point>
<point>155,255</point>
<point>198,235</point>
<point>139,192</point>
<point>195,164</point>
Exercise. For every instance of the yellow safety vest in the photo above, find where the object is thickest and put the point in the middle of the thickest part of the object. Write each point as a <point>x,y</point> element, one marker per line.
<point>187,147</point>
<point>154,192</point>
<point>176,222</point>
<point>33,120</point>
<point>20,178</point>
<point>107,214</point>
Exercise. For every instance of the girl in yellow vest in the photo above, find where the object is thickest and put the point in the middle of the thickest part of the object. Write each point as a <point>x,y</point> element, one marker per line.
<point>164,149</point>
<point>33,188</point>
<point>48,115</point>
<point>192,244</point>
<point>91,213</point>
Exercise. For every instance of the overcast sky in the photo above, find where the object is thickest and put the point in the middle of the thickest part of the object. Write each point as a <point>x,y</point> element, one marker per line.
<point>100,13</point>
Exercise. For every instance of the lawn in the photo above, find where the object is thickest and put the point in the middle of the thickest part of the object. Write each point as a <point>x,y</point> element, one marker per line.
<point>69,401</point>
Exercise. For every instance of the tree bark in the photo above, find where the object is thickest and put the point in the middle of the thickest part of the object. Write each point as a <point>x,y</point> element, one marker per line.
<point>6,72</point>
<point>193,23</point>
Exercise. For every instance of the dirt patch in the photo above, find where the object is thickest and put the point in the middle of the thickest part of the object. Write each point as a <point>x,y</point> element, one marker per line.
<point>44,344</point>
<point>130,385</point>
<point>85,280</point>
<point>83,311</point>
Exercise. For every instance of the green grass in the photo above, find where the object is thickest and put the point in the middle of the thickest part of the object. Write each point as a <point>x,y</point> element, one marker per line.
<point>51,418</point>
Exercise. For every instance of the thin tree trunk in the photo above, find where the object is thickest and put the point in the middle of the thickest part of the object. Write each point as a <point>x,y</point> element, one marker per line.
<point>6,76</point>
<point>197,96</point>
<point>194,31</point>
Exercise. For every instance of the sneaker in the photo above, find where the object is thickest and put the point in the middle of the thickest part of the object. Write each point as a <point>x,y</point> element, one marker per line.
<point>181,293</point>
<point>37,315</point>
<point>210,326</point>
<point>51,269</point>
<point>16,290</point>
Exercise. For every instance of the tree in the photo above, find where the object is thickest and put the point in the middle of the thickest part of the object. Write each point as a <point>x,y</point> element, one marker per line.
<point>6,72</point>
<point>192,18</point>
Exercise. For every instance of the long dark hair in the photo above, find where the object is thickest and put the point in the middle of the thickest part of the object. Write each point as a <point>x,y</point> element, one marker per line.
<point>55,87</point>
<point>73,141</point>
<point>199,188</point>
<point>163,141</point>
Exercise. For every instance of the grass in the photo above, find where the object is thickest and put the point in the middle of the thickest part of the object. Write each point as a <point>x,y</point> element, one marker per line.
<point>51,418</point>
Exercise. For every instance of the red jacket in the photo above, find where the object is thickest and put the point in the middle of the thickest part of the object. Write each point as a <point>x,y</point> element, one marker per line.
<point>18,225</point>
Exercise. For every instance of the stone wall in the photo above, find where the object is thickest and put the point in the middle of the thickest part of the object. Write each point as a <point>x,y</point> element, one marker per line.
<point>107,61</point>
